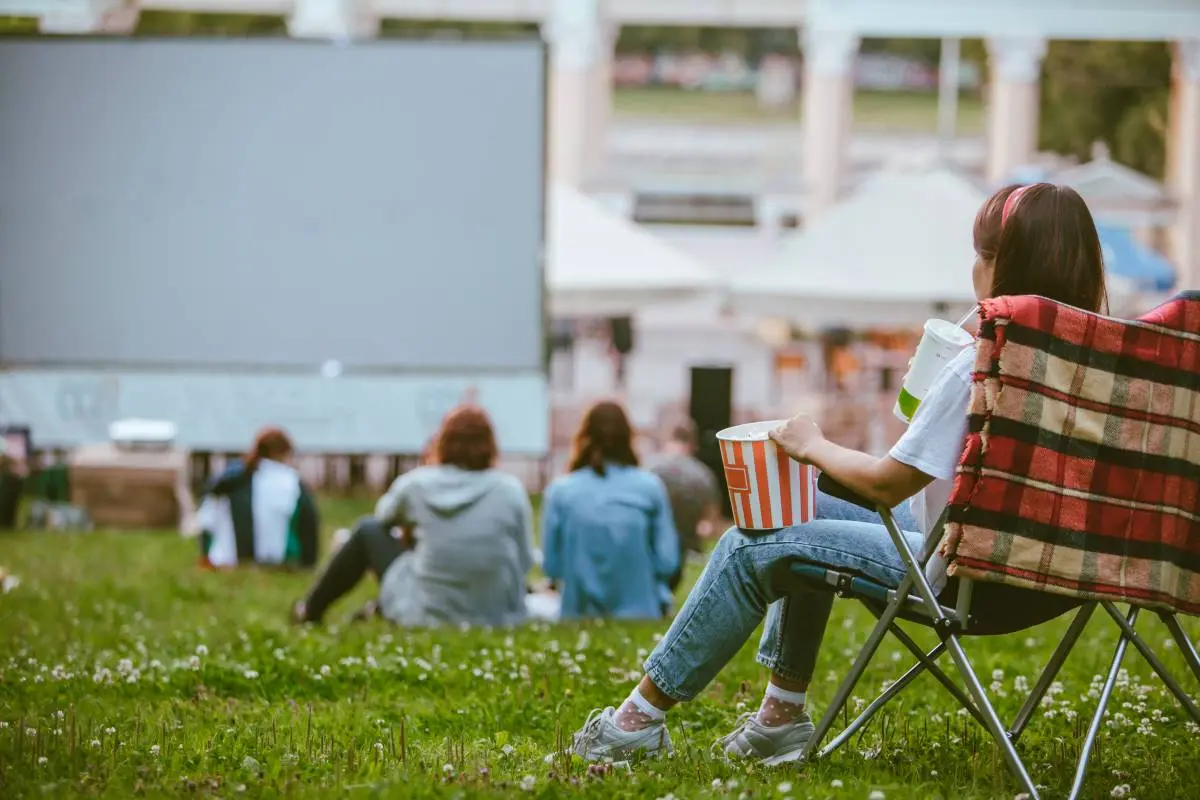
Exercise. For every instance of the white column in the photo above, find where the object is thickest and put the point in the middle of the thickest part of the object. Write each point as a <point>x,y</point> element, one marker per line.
<point>1184,162</point>
<point>90,17</point>
<point>576,35</point>
<point>948,74</point>
<point>333,19</point>
<point>827,107</point>
<point>1013,98</point>
<point>600,106</point>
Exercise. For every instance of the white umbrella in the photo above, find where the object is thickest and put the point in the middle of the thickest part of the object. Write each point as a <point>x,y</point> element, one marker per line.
<point>895,253</point>
<point>599,264</point>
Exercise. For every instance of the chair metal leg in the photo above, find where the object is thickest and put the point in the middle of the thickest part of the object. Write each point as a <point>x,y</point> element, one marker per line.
<point>974,687</point>
<point>993,723</point>
<point>1155,663</point>
<point>856,670</point>
<point>1089,741</point>
<point>927,661</point>
<point>1181,638</point>
<point>879,702</point>
<point>1051,671</point>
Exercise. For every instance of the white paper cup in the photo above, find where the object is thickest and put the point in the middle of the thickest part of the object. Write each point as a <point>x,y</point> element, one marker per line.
<point>940,342</point>
<point>767,489</point>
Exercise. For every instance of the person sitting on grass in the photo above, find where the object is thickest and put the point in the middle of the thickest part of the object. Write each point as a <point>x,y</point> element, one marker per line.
<point>1036,240</point>
<point>471,542</point>
<point>608,534</point>
<point>258,511</point>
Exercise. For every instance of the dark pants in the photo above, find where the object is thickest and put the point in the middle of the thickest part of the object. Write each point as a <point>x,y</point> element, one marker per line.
<point>371,548</point>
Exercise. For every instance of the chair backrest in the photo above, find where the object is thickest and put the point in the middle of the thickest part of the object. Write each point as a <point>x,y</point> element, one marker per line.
<point>1081,474</point>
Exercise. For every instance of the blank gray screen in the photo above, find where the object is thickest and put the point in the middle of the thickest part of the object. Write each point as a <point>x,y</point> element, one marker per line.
<point>272,202</point>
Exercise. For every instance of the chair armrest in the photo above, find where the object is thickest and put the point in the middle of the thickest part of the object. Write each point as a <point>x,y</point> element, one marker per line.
<point>834,489</point>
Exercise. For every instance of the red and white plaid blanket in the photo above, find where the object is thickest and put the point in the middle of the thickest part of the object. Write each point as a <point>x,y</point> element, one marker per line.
<point>1081,474</point>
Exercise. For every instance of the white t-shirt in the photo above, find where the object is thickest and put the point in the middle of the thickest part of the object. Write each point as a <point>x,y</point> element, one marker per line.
<point>934,444</point>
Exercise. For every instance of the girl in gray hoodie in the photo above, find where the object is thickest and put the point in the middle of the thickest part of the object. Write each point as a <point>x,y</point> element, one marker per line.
<point>473,541</point>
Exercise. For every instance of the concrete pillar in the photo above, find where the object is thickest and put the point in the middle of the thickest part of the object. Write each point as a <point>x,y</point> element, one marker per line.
<point>90,17</point>
<point>333,19</point>
<point>827,108</point>
<point>1184,162</point>
<point>1014,94</point>
<point>601,104</point>
<point>577,38</point>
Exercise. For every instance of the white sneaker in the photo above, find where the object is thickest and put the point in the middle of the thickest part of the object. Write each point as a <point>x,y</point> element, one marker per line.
<point>769,744</point>
<point>601,740</point>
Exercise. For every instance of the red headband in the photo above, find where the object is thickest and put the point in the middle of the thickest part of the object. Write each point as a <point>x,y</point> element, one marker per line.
<point>1010,203</point>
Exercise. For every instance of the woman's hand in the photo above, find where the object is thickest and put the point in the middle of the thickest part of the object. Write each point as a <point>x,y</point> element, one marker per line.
<point>797,436</point>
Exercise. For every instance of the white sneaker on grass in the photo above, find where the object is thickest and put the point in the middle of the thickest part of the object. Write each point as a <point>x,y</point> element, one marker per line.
<point>601,740</point>
<point>769,744</point>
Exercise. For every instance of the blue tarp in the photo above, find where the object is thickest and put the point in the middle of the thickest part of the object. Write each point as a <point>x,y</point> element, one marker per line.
<point>1126,257</point>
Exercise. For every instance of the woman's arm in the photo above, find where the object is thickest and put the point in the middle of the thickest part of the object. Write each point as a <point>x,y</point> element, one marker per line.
<point>525,534</point>
<point>392,508</point>
<point>552,564</point>
<point>884,481</point>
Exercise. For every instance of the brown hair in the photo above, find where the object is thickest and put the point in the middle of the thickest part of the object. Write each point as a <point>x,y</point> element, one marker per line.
<point>270,443</point>
<point>466,439</point>
<point>1041,240</point>
<point>604,435</point>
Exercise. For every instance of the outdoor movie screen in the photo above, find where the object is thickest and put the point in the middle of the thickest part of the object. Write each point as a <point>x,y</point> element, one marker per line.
<point>272,203</point>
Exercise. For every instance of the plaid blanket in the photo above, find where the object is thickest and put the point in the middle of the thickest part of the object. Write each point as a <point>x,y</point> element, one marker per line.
<point>1081,474</point>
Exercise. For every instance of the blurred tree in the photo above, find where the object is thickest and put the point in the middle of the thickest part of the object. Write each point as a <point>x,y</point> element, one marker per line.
<point>1112,92</point>
<point>170,23</point>
<point>18,26</point>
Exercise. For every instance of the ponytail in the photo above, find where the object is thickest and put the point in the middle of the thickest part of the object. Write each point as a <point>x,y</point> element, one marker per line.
<point>272,444</point>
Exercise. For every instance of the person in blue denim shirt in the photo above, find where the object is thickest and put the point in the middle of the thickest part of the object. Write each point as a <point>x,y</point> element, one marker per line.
<point>608,536</point>
<point>1033,240</point>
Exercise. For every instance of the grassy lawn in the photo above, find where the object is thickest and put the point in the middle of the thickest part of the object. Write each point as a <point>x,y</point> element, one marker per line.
<point>130,673</point>
<point>881,111</point>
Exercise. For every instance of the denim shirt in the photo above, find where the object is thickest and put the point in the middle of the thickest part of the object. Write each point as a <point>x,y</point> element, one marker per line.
<point>611,541</point>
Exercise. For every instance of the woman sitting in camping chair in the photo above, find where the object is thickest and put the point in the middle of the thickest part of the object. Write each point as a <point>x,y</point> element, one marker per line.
<point>1034,240</point>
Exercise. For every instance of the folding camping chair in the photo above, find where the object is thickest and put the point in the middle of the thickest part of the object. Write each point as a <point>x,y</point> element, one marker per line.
<point>1118,525</point>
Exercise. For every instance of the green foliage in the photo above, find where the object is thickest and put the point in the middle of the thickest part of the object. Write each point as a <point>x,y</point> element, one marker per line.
<point>127,672</point>
<point>1111,92</point>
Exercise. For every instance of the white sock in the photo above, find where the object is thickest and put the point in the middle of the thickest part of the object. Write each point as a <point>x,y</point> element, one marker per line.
<point>780,707</point>
<point>784,696</point>
<point>637,713</point>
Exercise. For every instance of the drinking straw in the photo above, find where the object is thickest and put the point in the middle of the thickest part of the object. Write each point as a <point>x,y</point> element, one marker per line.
<point>966,317</point>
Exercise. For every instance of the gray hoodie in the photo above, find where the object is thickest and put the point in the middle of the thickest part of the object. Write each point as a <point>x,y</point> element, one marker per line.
<point>474,533</point>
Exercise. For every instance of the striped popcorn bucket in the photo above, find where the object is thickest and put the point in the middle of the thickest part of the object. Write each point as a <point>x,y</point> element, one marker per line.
<point>767,489</point>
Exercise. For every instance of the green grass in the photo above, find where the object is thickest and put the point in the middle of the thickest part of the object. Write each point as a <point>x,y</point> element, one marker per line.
<point>879,111</point>
<point>127,672</point>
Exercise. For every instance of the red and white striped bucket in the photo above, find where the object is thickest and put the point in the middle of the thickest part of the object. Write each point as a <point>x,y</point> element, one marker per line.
<point>767,489</point>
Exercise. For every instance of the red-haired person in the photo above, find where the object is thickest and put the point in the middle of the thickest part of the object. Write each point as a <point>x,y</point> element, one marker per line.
<point>473,542</point>
<point>259,511</point>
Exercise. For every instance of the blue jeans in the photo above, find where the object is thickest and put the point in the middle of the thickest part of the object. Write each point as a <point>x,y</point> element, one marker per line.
<point>747,577</point>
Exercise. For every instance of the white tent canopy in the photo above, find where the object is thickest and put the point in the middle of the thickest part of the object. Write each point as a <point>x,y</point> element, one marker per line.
<point>599,264</point>
<point>895,253</point>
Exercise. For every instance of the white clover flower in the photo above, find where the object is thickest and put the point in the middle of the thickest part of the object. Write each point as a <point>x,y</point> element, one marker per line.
<point>379,747</point>
<point>201,650</point>
<point>110,730</point>
<point>154,750</point>
<point>448,769</point>
<point>42,761</point>
<point>876,794</point>
<point>507,749</point>
<point>325,669</point>
<point>836,783</point>
<point>250,675</point>
<point>95,743</point>
<point>1119,791</point>
<point>784,787</point>
<point>528,783</point>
